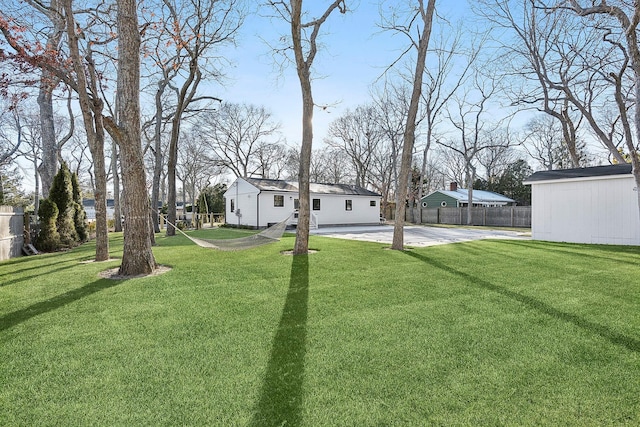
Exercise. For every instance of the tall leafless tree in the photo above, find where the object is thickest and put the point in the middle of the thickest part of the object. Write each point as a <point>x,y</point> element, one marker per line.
<point>626,15</point>
<point>329,165</point>
<point>271,159</point>
<point>192,30</point>
<point>359,136</point>
<point>392,102</point>
<point>565,69</point>
<point>475,132</point>
<point>86,84</point>
<point>417,27</point>
<point>195,169</point>
<point>236,134</point>
<point>137,257</point>
<point>444,75</point>
<point>543,141</point>
<point>304,36</point>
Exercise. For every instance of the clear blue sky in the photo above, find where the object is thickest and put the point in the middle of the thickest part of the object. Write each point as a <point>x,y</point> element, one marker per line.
<point>354,53</point>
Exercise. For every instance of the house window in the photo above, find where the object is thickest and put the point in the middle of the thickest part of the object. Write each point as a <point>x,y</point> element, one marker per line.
<point>372,203</point>
<point>348,205</point>
<point>316,204</point>
<point>278,201</point>
<point>296,204</point>
<point>233,205</point>
<point>424,204</point>
<point>443,204</point>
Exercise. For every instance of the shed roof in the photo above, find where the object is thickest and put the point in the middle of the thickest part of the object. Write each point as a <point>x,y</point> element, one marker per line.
<point>594,171</point>
<point>479,196</point>
<point>317,188</point>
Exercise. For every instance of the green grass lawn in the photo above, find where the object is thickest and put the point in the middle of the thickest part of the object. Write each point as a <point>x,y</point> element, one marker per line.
<point>478,333</point>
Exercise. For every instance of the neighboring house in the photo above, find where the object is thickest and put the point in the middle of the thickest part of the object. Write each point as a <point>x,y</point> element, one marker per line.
<point>585,205</point>
<point>456,197</point>
<point>258,203</point>
<point>90,208</point>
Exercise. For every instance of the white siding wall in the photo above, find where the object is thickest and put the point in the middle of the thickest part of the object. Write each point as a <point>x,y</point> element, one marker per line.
<point>271,214</point>
<point>244,196</point>
<point>332,209</point>
<point>588,210</point>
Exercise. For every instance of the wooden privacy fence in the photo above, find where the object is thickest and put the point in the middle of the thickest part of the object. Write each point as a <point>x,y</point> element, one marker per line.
<point>11,232</point>
<point>201,219</point>
<point>505,216</point>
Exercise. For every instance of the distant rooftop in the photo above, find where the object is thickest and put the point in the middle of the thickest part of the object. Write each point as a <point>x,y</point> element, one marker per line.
<point>593,171</point>
<point>280,185</point>
<point>479,196</point>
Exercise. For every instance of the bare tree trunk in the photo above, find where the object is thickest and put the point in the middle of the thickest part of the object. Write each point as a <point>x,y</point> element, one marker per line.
<point>48,82</point>
<point>302,232</point>
<point>137,257</point>
<point>410,127</point>
<point>36,178</point>
<point>171,196</point>
<point>115,172</point>
<point>303,67</point>
<point>632,41</point>
<point>100,191</point>
<point>94,127</point>
<point>471,176</point>
<point>158,158</point>
<point>635,156</point>
<point>49,165</point>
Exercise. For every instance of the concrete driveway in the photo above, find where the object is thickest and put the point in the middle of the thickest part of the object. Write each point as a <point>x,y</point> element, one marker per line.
<point>417,235</point>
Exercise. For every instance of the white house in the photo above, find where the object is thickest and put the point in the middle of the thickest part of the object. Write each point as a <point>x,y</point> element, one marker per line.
<point>585,205</point>
<point>459,197</point>
<point>90,209</point>
<point>258,203</point>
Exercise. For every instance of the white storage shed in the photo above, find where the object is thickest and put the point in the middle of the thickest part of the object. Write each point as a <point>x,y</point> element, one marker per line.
<point>585,205</point>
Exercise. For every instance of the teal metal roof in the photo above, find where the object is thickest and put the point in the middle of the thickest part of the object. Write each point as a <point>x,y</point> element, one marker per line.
<point>479,196</point>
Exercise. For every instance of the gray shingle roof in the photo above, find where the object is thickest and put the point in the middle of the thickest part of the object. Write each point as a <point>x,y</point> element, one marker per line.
<point>279,185</point>
<point>580,173</point>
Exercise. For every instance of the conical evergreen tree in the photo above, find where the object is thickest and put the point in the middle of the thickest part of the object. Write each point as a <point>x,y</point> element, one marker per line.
<point>61,194</point>
<point>79,214</point>
<point>48,237</point>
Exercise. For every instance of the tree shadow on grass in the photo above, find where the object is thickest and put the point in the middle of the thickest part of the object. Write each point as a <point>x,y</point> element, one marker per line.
<point>12,319</point>
<point>281,397</point>
<point>612,336</point>
<point>38,273</point>
<point>575,249</point>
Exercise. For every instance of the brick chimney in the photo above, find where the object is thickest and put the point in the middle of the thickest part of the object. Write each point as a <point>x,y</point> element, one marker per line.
<point>453,186</point>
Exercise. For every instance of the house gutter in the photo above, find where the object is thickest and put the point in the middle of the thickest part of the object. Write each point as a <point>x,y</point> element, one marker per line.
<point>258,209</point>
<point>577,179</point>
